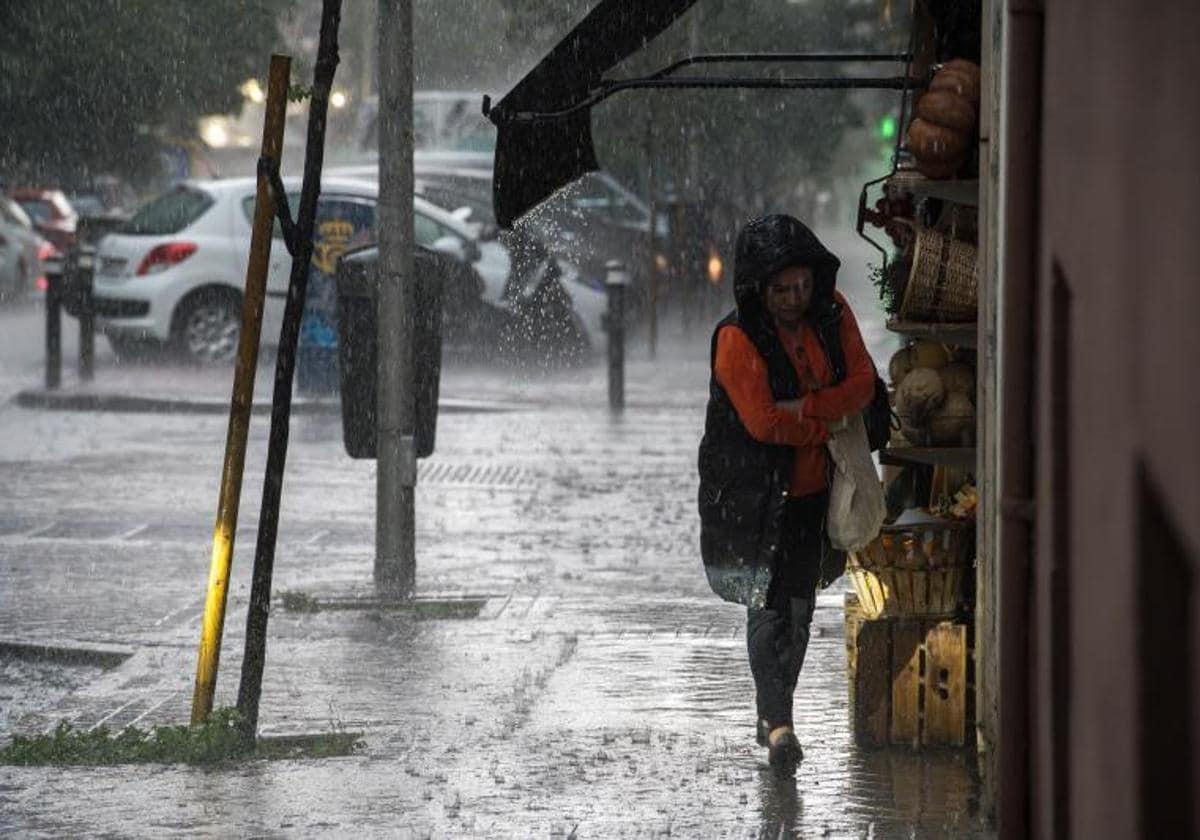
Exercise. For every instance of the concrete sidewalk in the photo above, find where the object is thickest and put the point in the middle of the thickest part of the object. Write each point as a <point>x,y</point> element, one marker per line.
<point>601,691</point>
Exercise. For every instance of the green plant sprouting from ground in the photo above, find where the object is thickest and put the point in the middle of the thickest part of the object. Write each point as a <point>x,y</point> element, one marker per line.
<point>221,738</point>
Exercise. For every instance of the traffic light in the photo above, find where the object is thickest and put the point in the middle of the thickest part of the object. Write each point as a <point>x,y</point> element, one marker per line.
<point>886,128</point>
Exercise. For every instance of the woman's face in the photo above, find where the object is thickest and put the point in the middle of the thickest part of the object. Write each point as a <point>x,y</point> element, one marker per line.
<point>788,295</point>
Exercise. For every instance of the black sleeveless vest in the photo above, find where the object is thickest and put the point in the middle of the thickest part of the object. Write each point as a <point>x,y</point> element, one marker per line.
<point>743,482</point>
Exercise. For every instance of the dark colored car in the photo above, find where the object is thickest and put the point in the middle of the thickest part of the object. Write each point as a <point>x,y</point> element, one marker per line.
<point>592,221</point>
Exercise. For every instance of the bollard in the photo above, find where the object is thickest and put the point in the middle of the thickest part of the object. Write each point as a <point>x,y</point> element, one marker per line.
<point>616,281</point>
<point>53,301</point>
<point>84,263</point>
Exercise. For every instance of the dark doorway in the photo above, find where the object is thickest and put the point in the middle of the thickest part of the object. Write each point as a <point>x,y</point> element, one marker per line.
<point>1166,595</point>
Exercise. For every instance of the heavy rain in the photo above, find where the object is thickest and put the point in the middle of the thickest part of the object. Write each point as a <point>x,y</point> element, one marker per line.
<point>538,648</point>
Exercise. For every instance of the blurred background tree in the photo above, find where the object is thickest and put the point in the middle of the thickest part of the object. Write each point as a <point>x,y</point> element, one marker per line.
<point>106,86</point>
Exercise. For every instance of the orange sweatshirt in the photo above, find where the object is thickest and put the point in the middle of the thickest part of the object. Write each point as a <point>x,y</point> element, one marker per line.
<point>742,372</point>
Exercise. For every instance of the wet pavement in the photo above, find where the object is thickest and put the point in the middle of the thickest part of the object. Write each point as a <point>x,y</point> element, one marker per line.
<point>601,691</point>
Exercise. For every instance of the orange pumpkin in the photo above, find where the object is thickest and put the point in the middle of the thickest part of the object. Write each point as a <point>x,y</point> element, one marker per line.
<point>956,81</point>
<point>934,143</point>
<point>947,109</point>
<point>970,68</point>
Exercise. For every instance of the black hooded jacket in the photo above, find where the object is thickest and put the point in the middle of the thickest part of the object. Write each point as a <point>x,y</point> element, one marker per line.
<point>744,482</point>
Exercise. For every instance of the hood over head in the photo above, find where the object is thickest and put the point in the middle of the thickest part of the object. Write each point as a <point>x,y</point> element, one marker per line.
<point>768,245</point>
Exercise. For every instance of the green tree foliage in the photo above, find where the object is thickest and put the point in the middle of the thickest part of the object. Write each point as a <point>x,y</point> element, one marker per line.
<point>92,86</point>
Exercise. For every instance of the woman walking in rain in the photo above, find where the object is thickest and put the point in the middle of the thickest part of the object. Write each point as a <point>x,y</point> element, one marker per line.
<point>775,394</point>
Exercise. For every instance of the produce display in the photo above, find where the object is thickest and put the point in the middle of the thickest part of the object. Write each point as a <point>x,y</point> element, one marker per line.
<point>942,131</point>
<point>920,564</point>
<point>916,548</point>
<point>934,397</point>
<point>961,506</point>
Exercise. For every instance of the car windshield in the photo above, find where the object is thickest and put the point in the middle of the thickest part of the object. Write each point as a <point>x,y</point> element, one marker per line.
<point>170,213</point>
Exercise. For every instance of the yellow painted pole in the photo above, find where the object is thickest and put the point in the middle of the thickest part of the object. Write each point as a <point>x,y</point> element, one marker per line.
<point>242,401</point>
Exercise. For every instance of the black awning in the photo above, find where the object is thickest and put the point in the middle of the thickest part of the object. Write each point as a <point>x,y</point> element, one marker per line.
<point>536,157</point>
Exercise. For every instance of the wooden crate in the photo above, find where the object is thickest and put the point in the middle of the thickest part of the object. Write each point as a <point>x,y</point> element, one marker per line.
<point>911,680</point>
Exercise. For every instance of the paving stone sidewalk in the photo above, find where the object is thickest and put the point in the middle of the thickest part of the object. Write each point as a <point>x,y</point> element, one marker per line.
<point>602,691</point>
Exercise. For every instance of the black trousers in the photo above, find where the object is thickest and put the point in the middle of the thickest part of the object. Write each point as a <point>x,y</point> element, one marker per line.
<point>777,635</point>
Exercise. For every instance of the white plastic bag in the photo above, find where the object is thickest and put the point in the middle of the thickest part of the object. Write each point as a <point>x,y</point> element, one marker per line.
<point>856,504</point>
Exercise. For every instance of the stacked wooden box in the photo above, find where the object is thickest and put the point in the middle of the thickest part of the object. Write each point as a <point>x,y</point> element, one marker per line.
<point>911,679</point>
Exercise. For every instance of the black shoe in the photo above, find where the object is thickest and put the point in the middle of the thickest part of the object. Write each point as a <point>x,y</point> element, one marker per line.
<point>785,754</point>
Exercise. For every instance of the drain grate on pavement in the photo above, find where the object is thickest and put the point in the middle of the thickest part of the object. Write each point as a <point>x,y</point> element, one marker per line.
<point>485,476</point>
<point>421,607</point>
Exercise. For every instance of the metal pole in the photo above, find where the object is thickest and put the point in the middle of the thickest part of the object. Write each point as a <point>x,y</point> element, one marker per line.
<point>616,281</point>
<point>84,266</point>
<point>53,330</point>
<point>240,403</point>
<point>652,249</point>
<point>396,476</point>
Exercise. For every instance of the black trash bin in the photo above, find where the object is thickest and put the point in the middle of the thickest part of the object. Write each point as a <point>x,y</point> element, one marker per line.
<point>75,285</point>
<point>357,279</point>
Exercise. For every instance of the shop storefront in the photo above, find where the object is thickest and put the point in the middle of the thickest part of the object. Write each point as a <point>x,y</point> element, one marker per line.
<point>1033,598</point>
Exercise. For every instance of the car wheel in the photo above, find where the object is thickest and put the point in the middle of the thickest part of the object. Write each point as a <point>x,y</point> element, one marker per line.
<point>206,327</point>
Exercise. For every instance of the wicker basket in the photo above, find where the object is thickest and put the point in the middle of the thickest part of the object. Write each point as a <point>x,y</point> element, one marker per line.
<point>896,575</point>
<point>941,285</point>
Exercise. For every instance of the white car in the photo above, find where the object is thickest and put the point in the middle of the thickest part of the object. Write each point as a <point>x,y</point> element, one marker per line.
<point>173,274</point>
<point>22,250</point>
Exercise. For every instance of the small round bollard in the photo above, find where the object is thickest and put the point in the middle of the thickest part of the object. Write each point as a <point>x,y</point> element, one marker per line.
<point>616,281</point>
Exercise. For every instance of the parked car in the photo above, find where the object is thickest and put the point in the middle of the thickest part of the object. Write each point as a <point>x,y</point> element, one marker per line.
<point>592,221</point>
<point>52,215</point>
<point>21,252</point>
<point>173,274</point>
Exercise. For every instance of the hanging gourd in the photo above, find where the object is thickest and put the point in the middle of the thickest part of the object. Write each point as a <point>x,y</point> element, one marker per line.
<point>947,109</point>
<point>941,133</point>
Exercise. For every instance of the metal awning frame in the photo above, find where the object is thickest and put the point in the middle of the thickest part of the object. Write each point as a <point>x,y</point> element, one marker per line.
<point>664,79</point>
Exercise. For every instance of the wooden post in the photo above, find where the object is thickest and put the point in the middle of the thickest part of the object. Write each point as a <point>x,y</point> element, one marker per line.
<point>241,402</point>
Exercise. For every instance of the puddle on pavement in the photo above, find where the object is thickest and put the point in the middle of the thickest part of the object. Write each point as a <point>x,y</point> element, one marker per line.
<point>664,703</point>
